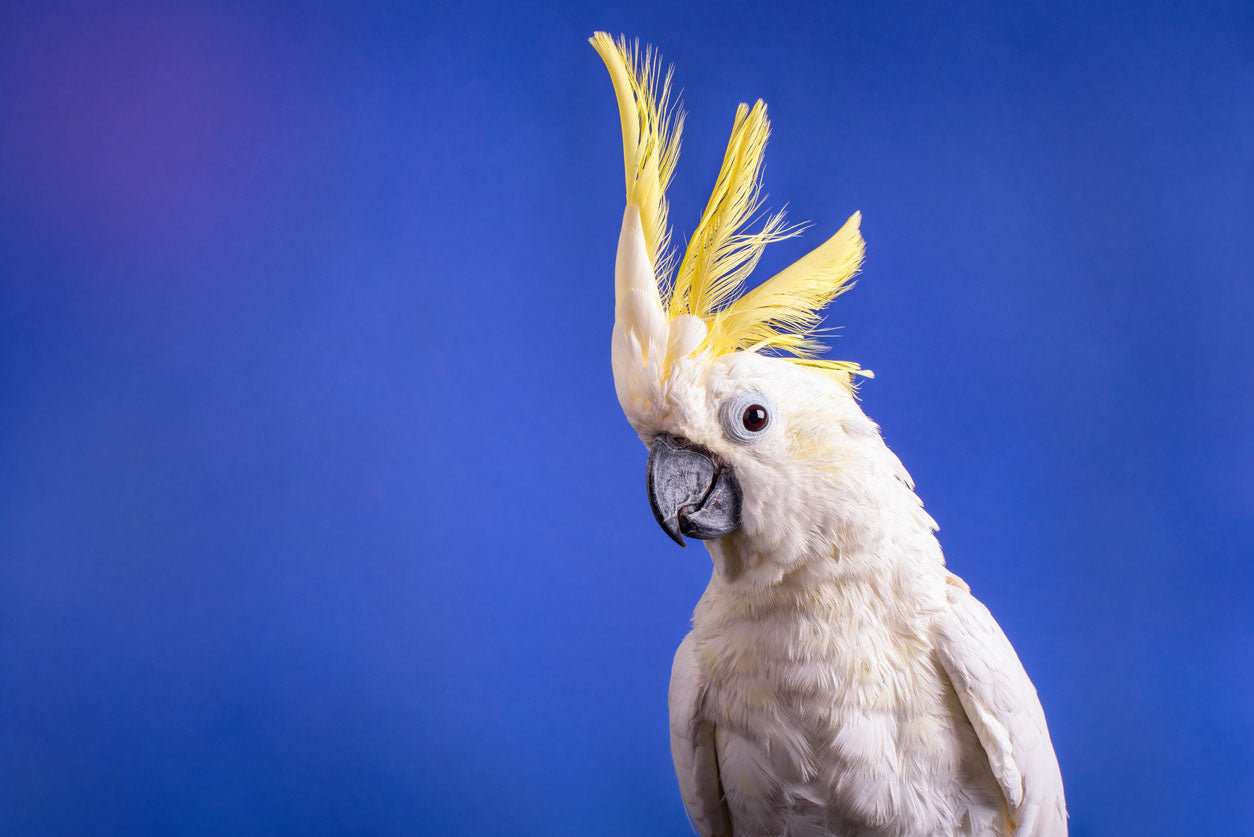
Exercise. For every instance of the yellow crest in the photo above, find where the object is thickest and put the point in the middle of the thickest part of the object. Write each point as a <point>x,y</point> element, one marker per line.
<point>782,313</point>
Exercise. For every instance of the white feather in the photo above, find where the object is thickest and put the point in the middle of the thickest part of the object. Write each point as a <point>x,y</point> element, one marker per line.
<point>1005,711</point>
<point>692,747</point>
<point>849,687</point>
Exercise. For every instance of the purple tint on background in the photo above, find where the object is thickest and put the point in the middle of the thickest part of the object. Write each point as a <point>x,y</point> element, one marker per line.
<point>128,117</point>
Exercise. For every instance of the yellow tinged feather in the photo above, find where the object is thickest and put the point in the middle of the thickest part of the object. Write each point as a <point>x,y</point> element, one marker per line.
<point>720,255</point>
<point>783,313</point>
<point>651,130</point>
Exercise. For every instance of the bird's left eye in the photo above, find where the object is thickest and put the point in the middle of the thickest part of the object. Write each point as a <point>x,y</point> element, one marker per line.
<point>746,416</point>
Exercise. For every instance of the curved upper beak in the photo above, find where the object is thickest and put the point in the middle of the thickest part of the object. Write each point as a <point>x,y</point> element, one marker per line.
<point>691,492</point>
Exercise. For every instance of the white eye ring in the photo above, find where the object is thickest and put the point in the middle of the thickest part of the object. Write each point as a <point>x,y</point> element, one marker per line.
<point>746,416</point>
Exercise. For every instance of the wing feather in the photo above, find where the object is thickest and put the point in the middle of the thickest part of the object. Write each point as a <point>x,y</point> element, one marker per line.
<point>1004,709</point>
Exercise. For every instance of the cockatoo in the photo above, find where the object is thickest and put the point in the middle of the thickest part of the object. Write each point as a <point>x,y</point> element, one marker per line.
<point>838,680</point>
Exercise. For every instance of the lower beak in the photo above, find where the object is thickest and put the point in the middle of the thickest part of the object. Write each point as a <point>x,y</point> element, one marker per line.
<point>691,492</point>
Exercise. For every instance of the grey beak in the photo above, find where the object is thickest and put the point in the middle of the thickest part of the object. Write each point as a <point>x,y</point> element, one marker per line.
<point>690,491</point>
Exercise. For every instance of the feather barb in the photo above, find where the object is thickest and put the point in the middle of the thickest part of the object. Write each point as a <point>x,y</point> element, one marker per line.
<point>721,254</point>
<point>651,130</point>
<point>784,312</point>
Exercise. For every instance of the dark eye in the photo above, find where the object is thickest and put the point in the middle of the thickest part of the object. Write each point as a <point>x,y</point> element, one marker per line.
<point>754,418</point>
<point>746,416</point>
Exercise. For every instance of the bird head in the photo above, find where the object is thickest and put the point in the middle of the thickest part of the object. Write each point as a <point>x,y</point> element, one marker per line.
<point>755,445</point>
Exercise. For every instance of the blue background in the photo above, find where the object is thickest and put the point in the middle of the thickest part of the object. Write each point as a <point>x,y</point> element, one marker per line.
<point>318,514</point>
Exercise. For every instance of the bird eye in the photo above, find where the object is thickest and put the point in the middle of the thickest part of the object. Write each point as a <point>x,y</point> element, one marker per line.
<point>746,416</point>
<point>754,418</point>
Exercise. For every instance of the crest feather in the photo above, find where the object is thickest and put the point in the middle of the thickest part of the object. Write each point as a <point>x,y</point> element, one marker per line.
<point>721,255</point>
<point>651,130</point>
<point>784,311</point>
<point>782,314</point>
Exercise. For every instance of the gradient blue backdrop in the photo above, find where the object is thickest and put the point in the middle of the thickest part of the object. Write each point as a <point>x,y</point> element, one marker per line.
<point>317,511</point>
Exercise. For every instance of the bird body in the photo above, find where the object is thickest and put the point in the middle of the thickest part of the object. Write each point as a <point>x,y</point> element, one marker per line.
<point>822,682</point>
<point>838,680</point>
<point>814,740</point>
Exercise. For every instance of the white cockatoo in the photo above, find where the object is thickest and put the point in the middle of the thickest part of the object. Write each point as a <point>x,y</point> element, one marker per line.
<point>838,680</point>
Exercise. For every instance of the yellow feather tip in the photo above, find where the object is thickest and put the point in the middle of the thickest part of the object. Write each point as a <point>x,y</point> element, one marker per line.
<point>651,130</point>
